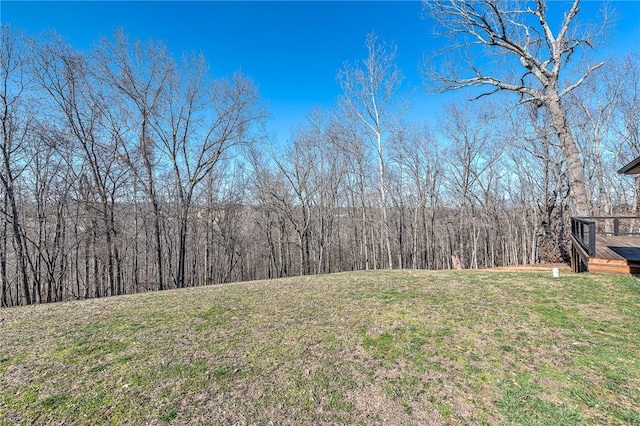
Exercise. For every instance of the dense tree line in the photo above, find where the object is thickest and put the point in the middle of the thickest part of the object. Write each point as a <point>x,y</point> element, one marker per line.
<point>124,170</point>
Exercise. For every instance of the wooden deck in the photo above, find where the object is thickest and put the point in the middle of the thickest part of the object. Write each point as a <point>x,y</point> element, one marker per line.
<point>614,255</point>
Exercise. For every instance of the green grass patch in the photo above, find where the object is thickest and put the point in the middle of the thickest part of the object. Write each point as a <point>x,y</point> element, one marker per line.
<point>396,347</point>
<point>54,401</point>
<point>521,403</point>
<point>168,415</point>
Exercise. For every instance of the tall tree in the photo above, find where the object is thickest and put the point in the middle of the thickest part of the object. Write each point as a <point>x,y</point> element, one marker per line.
<point>201,126</point>
<point>4,249</point>
<point>273,200</point>
<point>470,158</point>
<point>418,150</point>
<point>15,121</point>
<point>47,184</point>
<point>370,90</point>
<point>521,35</point>
<point>79,102</point>
<point>540,181</point>
<point>351,143</point>
<point>629,127</point>
<point>140,74</point>
<point>299,163</point>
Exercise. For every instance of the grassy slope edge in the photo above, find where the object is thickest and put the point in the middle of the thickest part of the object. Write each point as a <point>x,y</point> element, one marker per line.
<point>404,347</point>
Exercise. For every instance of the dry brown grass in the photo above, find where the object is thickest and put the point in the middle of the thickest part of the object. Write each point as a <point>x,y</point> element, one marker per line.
<point>398,347</point>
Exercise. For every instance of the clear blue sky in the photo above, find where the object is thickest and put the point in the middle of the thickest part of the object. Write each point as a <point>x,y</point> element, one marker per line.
<point>291,49</point>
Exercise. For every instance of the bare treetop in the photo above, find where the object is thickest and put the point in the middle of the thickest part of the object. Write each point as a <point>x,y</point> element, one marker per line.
<point>518,31</point>
<point>533,56</point>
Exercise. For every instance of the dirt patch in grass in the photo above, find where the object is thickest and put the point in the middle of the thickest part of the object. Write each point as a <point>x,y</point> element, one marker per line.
<point>402,347</point>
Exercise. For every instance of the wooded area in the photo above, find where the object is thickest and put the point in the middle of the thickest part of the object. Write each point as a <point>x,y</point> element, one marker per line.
<point>125,170</point>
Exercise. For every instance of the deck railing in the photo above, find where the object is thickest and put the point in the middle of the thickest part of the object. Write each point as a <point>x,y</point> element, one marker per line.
<point>585,229</point>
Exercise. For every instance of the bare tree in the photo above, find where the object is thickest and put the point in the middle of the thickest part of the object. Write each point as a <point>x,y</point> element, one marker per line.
<point>350,141</point>
<point>417,149</point>
<point>330,172</point>
<point>122,170</point>
<point>471,155</point>
<point>140,74</point>
<point>274,202</point>
<point>76,96</point>
<point>541,76</point>
<point>4,250</point>
<point>369,92</point>
<point>223,224</point>
<point>596,105</point>
<point>297,167</point>
<point>540,182</point>
<point>630,131</point>
<point>47,184</point>
<point>312,169</point>
<point>200,127</point>
<point>15,121</point>
<point>612,115</point>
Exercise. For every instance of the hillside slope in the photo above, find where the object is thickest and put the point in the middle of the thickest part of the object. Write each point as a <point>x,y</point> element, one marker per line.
<point>403,347</point>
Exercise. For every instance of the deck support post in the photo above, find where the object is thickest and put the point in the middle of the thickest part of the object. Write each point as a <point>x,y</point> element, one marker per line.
<point>592,239</point>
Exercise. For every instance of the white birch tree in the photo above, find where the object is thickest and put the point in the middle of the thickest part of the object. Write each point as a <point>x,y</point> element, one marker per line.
<point>370,90</point>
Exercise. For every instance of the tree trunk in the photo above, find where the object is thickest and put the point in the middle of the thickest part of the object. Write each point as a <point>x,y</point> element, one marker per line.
<point>182,250</point>
<point>20,246</point>
<point>386,238</point>
<point>4,282</point>
<point>577,185</point>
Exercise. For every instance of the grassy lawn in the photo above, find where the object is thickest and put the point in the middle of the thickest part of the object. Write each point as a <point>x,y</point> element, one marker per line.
<point>402,347</point>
